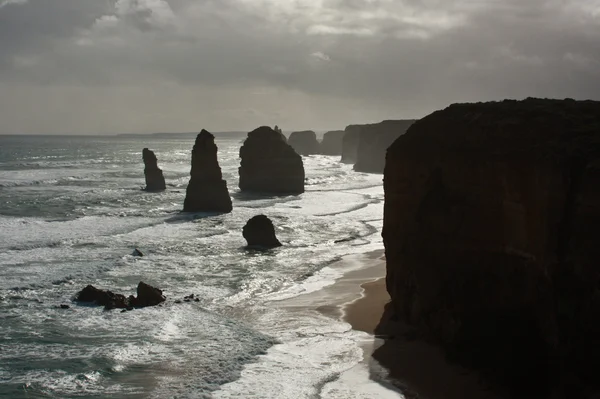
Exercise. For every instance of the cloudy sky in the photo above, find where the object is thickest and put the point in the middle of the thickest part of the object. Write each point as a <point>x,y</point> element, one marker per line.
<point>111,66</point>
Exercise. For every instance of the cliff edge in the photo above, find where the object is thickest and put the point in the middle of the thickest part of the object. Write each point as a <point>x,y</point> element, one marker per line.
<point>492,237</point>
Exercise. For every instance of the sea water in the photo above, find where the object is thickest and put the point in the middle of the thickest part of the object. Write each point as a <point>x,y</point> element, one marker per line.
<point>72,210</point>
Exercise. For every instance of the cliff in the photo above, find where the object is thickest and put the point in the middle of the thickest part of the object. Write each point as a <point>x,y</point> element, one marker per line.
<point>207,191</point>
<point>269,165</point>
<point>304,142</point>
<point>492,233</point>
<point>350,143</point>
<point>373,142</point>
<point>155,180</point>
<point>332,142</point>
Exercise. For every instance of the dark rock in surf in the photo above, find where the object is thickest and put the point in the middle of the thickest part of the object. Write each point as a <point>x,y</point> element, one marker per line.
<point>269,165</point>
<point>137,253</point>
<point>155,180</point>
<point>332,143</point>
<point>259,232</point>
<point>147,296</point>
<point>207,191</point>
<point>304,142</point>
<point>105,298</point>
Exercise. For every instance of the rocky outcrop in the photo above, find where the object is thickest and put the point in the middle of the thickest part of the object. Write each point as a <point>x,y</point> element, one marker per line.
<point>304,142</point>
<point>350,143</point>
<point>259,232</point>
<point>155,180</point>
<point>278,130</point>
<point>491,229</point>
<point>146,296</point>
<point>269,165</point>
<point>373,142</point>
<point>332,142</point>
<point>207,191</point>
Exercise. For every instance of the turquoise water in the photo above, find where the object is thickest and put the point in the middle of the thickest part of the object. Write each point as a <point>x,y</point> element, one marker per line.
<point>71,212</point>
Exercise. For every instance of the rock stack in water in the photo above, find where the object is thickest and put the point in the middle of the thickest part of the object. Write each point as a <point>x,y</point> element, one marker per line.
<point>492,236</point>
<point>373,142</point>
<point>146,296</point>
<point>259,232</point>
<point>155,180</point>
<point>350,143</point>
<point>207,191</point>
<point>332,142</point>
<point>269,165</point>
<point>278,130</point>
<point>304,142</point>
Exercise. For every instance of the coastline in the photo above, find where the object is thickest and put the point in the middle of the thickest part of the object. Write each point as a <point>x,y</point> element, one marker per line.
<point>414,367</point>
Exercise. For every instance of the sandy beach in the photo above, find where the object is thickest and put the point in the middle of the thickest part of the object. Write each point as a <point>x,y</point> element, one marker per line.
<point>416,368</point>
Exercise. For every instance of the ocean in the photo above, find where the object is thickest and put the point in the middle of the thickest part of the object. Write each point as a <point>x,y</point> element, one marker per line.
<point>72,210</point>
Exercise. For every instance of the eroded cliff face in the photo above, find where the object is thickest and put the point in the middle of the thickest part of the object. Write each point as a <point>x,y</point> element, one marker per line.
<point>304,142</point>
<point>492,234</point>
<point>350,143</point>
<point>332,142</point>
<point>269,165</point>
<point>373,142</point>
<point>207,191</point>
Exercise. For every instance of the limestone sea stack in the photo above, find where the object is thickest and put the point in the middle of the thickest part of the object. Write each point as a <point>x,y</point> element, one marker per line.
<point>278,130</point>
<point>269,165</point>
<point>492,237</point>
<point>304,142</point>
<point>332,142</point>
<point>259,232</point>
<point>350,143</point>
<point>155,180</point>
<point>373,142</point>
<point>207,191</point>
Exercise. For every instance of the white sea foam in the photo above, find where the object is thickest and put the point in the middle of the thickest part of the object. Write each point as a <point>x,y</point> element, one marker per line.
<point>83,231</point>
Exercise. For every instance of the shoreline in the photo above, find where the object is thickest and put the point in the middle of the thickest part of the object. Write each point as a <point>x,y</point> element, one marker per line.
<point>412,366</point>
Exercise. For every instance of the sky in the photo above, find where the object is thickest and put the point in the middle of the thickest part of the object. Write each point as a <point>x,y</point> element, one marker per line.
<point>142,66</point>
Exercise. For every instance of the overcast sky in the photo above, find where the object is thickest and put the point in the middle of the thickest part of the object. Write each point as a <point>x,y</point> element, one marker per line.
<point>112,66</point>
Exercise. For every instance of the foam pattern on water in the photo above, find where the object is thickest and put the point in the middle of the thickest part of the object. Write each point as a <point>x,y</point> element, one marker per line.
<point>73,210</point>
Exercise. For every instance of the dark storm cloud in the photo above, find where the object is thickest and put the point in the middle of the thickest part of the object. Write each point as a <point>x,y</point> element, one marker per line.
<point>368,58</point>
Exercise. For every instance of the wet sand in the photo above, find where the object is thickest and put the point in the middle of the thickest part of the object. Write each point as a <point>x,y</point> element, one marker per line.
<point>416,368</point>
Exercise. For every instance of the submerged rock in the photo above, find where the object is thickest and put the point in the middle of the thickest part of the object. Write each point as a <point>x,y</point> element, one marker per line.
<point>260,232</point>
<point>373,142</point>
<point>137,253</point>
<point>269,165</point>
<point>491,229</point>
<point>332,143</point>
<point>146,296</point>
<point>304,142</point>
<point>155,180</point>
<point>207,191</point>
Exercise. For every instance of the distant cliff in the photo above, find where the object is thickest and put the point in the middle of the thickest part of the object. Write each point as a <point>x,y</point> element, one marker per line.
<point>332,142</point>
<point>492,237</point>
<point>350,143</point>
<point>373,142</point>
<point>304,142</point>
